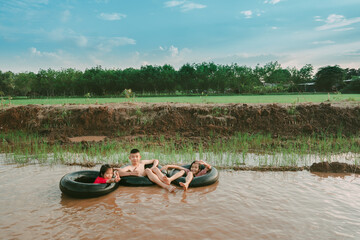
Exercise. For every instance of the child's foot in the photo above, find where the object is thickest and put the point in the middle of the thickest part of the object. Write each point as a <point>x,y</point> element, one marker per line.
<point>185,186</point>
<point>171,188</point>
<point>166,180</point>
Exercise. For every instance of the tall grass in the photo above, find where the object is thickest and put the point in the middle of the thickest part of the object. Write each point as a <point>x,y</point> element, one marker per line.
<point>240,149</point>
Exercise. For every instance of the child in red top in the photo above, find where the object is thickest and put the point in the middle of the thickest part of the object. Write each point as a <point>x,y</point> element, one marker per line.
<point>106,175</point>
<point>195,171</point>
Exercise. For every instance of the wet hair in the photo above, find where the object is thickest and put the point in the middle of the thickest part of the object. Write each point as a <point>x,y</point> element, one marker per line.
<point>134,151</point>
<point>103,169</point>
<point>201,167</point>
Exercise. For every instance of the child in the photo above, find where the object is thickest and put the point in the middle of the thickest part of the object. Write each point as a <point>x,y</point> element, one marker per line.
<point>195,171</point>
<point>106,174</point>
<point>137,168</point>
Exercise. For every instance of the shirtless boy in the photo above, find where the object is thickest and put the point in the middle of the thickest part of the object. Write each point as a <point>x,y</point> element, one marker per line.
<point>137,168</point>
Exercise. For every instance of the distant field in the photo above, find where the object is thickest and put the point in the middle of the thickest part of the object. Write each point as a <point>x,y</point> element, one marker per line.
<point>316,98</point>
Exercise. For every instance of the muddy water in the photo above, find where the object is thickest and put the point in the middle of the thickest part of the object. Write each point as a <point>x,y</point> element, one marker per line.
<point>242,205</point>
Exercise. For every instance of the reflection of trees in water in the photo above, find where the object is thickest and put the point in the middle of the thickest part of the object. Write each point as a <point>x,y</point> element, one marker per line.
<point>334,175</point>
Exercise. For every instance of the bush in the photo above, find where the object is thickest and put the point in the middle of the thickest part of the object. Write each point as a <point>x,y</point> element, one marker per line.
<point>353,87</point>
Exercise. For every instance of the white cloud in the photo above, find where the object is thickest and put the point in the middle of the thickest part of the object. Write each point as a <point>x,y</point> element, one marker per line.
<point>37,53</point>
<point>343,29</point>
<point>328,54</point>
<point>323,42</point>
<point>334,21</point>
<point>61,34</point>
<point>111,16</point>
<point>173,3</point>
<point>318,19</point>
<point>184,5</point>
<point>274,28</point>
<point>108,44</point>
<point>247,13</point>
<point>120,41</point>
<point>65,16</point>
<point>81,41</point>
<point>174,51</point>
<point>272,1</point>
<point>190,6</point>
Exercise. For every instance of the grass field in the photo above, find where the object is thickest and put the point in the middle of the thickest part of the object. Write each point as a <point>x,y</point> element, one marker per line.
<point>291,98</point>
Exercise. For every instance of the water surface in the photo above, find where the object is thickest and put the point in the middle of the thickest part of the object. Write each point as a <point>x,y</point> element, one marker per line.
<point>242,205</point>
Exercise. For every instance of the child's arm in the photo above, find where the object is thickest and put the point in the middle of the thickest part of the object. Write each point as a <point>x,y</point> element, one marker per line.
<point>208,166</point>
<point>154,162</point>
<point>126,171</point>
<point>205,170</point>
<point>166,167</point>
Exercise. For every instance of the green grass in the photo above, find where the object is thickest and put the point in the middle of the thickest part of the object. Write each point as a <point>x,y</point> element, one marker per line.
<point>289,98</point>
<point>240,149</point>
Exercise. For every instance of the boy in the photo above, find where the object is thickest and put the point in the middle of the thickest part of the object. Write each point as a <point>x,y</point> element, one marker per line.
<point>137,168</point>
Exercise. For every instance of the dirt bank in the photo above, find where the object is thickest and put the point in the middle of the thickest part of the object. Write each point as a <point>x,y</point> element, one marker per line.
<point>334,167</point>
<point>184,120</point>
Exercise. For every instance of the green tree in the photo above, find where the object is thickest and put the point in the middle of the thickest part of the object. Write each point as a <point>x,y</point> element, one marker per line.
<point>329,78</point>
<point>304,75</point>
<point>204,74</point>
<point>245,79</point>
<point>266,73</point>
<point>168,78</point>
<point>279,76</point>
<point>7,82</point>
<point>353,87</point>
<point>351,72</point>
<point>67,80</point>
<point>186,78</point>
<point>23,82</point>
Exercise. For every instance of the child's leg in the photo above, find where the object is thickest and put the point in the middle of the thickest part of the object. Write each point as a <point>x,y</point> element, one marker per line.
<point>167,180</point>
<point>158,173</point>
<point>188,180</point>
<point>154,178</point>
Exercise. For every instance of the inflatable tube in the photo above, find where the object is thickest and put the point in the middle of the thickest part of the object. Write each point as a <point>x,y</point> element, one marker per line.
<point>136,181</point>
<point>211,177</point>
<point>80,185</point>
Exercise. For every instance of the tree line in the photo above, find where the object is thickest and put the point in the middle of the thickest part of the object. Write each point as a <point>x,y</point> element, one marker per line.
<point>194,78</point>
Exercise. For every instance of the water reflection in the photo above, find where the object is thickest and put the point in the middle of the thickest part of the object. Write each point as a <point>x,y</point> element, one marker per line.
<point>334,175</point>
<point>75,204</point>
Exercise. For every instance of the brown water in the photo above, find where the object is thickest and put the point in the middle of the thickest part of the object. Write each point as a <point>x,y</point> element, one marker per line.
<point>242,205</point>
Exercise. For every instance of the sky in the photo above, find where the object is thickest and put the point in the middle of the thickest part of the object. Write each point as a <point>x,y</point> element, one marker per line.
<point>118,34</point>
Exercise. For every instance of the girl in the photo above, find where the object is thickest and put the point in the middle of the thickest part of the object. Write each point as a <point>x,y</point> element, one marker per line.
<point>197,169</point>
<point>105,175</point>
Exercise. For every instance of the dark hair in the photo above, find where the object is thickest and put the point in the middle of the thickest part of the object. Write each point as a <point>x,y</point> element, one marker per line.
<point>103,169</point>
<point>134,151</point>
<point>201,167</point>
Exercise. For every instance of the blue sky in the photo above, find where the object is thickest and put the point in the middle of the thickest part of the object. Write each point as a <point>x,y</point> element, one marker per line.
<point>42,34</point>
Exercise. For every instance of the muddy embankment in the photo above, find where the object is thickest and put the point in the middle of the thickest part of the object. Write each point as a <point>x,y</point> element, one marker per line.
<point>65,123</point>
<point>184,120</point>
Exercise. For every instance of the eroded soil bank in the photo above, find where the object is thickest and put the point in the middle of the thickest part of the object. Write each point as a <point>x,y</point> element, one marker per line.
<point>92,124</point>
<point>182,120</point>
